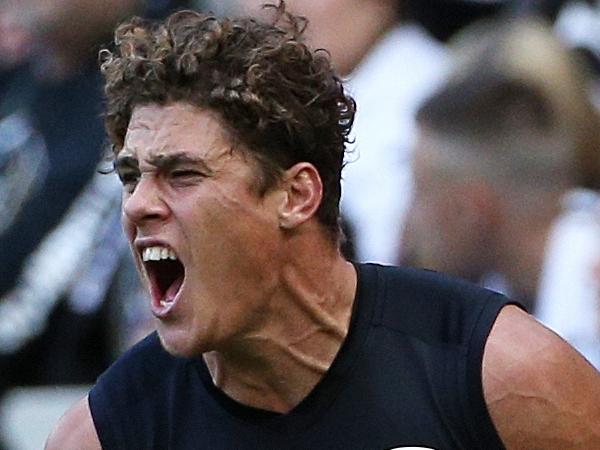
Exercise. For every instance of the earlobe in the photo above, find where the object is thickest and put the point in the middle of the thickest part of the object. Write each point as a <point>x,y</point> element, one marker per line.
<point>304,192</point>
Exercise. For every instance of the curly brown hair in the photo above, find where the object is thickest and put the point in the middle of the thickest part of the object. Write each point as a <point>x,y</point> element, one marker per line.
<point>280,99</point>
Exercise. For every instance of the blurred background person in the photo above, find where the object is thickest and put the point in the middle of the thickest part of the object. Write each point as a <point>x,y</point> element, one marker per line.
<point>63,258</point>
<point>50,104</point>
<point>502,148</point>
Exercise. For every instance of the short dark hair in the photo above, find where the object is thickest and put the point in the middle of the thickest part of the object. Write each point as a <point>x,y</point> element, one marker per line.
<point>503,125</point>
<point>519,91</point>
<point>485,104</point>
<point>280,99</point>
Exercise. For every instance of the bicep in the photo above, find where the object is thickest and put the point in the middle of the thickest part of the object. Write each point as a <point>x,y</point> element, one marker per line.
<point>75,430</point>
<point>540,392</point>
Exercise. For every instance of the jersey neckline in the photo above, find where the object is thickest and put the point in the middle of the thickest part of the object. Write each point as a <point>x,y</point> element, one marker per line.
<point>326,390</point>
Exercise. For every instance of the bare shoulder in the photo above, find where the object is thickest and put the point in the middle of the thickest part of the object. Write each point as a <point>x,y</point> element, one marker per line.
<point>75,430</point>
<point>540,392</point>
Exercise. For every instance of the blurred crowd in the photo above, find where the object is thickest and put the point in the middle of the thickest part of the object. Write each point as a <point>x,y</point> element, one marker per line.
<point>476,151</point>
<point>69,297</point>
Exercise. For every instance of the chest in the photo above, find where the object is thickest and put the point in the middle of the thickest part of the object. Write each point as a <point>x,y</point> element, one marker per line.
<point>387,400</point>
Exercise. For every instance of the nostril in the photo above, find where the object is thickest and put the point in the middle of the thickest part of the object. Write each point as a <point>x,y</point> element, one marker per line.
<point>144,212</point>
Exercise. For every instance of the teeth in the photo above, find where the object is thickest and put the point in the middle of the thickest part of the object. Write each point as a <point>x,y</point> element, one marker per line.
<point>157,253</point>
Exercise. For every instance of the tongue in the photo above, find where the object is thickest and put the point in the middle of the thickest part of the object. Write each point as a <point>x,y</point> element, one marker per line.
<point>173,289</point>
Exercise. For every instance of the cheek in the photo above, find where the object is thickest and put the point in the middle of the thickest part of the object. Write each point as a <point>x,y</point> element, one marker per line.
<point>427,215</point>
<point>238,213</point>
<point>434,222</point>
<point>229,231</point>
<point>444,224</point>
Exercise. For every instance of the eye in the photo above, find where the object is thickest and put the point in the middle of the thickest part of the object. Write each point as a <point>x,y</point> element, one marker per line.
<point>183,176</point>
<point>129,179</point>
<point>183,173</point>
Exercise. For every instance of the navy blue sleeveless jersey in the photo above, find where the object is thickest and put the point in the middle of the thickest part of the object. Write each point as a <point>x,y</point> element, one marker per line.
<point>408,374</point>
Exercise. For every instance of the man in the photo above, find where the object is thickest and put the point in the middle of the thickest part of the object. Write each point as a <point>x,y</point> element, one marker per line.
<point>500,149</point>
<point>229,138</point>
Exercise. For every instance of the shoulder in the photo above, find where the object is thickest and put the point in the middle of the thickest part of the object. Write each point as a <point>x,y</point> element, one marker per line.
<point>436,307</point>
<point>75,430</point>
<point>143,368</point>
<point>539,391</point>
<point>146,358</point>
<point>134,391</point>
<point>425,282</point>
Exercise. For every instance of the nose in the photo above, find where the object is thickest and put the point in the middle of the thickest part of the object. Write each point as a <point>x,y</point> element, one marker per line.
<point>145,203</point>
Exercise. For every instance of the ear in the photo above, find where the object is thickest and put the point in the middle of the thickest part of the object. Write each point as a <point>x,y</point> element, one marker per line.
<point>304,191</point>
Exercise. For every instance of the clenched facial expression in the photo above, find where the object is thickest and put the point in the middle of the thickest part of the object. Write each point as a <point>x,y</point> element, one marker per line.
<point>204,240</point>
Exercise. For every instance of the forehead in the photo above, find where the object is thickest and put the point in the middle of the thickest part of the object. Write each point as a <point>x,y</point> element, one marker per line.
<point>179,127</point>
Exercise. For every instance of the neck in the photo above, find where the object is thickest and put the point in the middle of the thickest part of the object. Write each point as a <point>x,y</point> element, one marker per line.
<point>275,366</point>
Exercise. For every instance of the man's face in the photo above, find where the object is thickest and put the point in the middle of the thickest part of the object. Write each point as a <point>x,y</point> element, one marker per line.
<point>206,244</point>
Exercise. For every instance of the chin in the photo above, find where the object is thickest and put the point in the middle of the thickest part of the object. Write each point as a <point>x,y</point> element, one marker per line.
<point>181,344</point>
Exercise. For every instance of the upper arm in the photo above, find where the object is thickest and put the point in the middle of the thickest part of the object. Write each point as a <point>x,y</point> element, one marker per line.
<point>75,430</point>
<point>539,391</point>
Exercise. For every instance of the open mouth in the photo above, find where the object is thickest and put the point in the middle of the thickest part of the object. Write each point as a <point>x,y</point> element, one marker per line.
<point>165,274</point>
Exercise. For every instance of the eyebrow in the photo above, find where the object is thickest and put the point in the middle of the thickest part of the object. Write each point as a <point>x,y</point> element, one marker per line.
<point>162,162</point>
<point>125,162</point>
<point>172,160</point>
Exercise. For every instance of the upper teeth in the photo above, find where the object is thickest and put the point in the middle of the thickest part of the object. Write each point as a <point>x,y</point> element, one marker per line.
<point>157,253</point>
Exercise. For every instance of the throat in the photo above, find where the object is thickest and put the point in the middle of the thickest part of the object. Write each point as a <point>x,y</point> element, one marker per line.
<point>278,362</point>
<point>275,375</point>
